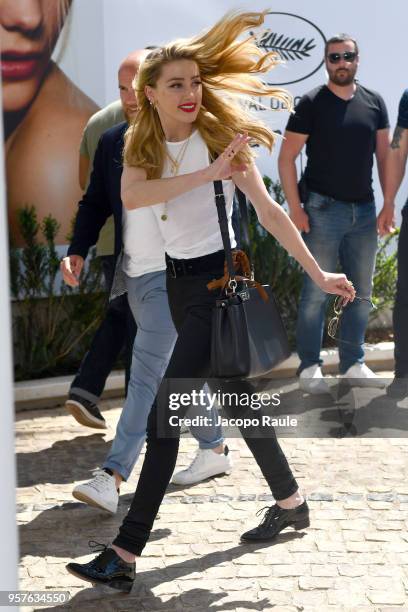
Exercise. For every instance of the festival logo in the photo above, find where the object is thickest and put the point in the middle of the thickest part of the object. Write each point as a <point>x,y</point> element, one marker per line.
<point>299,44</point>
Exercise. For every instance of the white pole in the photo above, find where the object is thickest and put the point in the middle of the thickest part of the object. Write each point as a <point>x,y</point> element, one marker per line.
<point>8,530</point>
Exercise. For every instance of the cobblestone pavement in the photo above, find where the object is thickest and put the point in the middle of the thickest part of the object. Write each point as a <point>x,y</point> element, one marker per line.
<point>353,557</point>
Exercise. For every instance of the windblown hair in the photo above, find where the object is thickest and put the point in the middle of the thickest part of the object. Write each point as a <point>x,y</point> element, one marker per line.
<point>228,69</point>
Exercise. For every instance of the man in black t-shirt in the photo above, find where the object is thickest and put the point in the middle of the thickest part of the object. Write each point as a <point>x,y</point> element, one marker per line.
<point>343,125</point>
<point>396,164</point>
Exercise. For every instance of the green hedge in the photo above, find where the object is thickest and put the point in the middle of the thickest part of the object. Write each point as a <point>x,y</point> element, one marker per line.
<point>52,323</point>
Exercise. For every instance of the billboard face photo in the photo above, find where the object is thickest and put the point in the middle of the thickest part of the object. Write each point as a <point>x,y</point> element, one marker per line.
<point>44,114</point>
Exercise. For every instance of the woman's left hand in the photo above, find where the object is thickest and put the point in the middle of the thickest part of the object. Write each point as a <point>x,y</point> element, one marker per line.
<point>338,284</point>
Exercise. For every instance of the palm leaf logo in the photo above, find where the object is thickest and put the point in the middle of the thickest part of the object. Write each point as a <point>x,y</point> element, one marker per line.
<point>287,48</point>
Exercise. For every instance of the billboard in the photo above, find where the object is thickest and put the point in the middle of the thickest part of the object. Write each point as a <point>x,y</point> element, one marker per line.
<point>44,110</point>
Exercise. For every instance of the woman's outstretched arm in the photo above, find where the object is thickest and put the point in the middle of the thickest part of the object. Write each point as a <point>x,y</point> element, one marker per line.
<point>275,220</point>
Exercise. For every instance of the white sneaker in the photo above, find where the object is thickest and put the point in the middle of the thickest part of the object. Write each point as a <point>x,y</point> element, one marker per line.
<point>206,463</point>
<point>360,375</point>
<point>99,492</point>
<point>312,381</point>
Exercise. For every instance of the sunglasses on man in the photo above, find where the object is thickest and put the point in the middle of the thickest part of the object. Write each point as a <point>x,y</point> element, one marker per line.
<point>348,56</point>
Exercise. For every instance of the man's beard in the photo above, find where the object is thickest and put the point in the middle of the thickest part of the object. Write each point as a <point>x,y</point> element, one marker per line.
<point>346,79</point>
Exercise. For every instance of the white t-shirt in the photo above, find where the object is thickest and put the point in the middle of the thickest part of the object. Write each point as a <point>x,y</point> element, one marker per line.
<point>143,243</point>
<point>192,228</point>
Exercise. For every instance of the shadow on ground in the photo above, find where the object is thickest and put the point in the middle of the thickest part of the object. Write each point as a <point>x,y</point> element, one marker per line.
<point>64,462</point>
<point>59,530</point>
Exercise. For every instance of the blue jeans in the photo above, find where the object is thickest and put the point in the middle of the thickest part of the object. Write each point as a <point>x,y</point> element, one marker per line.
<point>154,343</point>
<point>115,334</point>
<point>345,233</point>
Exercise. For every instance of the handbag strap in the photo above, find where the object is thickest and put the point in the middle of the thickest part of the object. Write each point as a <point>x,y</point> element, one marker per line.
<point>244,218</point>
<point>223,221</point>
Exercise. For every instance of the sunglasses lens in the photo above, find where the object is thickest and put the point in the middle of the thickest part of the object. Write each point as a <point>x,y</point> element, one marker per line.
<point>334,58</point>
<point>349,56</point>
<point>332,327</point>
<point>338,305</point>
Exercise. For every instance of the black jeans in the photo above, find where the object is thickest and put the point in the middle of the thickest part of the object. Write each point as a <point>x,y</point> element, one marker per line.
<point>191,305</point>
<point>116,332</point>
<point>400,315</point>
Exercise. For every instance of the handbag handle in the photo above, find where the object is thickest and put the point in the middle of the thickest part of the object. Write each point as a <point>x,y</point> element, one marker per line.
<point>223,221</point>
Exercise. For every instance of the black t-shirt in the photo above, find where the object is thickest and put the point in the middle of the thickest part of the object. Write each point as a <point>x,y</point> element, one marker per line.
<point>342,141</point>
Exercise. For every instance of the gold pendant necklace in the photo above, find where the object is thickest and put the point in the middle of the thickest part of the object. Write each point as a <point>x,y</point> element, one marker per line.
<point>174,169</point>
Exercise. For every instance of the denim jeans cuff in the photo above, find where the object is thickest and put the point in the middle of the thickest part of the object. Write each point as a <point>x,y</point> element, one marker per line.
<point>344,366</point>
<point>118,468</point>
<point>303,366</point>
<point>213,444</point>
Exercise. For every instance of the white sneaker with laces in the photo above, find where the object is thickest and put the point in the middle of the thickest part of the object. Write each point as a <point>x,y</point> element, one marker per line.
<point>206,463</point>
<point>360,375</point>
<point>99,492</point>
<point>312,380</point>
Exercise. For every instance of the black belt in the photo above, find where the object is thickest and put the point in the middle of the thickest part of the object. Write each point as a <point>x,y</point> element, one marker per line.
<point>195,265</point>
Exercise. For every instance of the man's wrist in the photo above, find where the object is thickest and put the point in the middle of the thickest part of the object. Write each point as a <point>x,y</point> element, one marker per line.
<point>389,204</point>
<point>295,206</point>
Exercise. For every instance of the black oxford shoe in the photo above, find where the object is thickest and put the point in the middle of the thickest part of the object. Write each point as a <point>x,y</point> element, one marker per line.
<point>276,519</point>
<point>108,569</point>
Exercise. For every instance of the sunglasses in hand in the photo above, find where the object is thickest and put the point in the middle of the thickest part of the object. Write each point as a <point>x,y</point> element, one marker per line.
<point>338,308</point>
<point>348,56</point>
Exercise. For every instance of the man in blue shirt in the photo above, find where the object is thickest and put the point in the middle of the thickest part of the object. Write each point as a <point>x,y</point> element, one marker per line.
<point>396,163</point>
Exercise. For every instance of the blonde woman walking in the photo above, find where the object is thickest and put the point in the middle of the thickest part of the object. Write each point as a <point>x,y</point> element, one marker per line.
<point>186,121</point>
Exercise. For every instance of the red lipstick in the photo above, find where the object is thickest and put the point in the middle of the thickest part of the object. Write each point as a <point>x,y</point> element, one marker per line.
<point>188,107</point>
<point>17,66</point>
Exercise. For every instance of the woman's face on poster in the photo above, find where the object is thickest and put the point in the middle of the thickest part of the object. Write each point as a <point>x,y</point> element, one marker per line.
<point>29,30</point>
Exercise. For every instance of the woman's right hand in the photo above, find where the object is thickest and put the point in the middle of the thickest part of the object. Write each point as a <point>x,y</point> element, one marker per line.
<point>223,168</point>
<point>71,268</point>
<point>337,284</point>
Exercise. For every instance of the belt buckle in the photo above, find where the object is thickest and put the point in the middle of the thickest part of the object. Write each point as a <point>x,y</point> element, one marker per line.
<point>172,269</point>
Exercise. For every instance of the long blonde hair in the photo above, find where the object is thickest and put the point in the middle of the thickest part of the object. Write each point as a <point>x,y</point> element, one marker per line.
<point>227,66</point>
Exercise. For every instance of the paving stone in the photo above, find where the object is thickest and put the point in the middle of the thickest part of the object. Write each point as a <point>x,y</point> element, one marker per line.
<point>376,536</point>
<point>310,583</point>
<point>317,600</point>
<point>289,570</point>
<point>363,547</point>
<point>386,597</point>
<point>346,569</point>
<point>254,571</point>
<point>330,546</point>
<point>390,526</point>
<point>272,599</point>
<point>320,571</point>
<point>348,600</point>
<point>278,584</point>
<point>309,558</point>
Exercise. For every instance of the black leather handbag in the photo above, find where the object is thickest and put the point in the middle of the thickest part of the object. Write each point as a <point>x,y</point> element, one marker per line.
<point>248,336</point>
